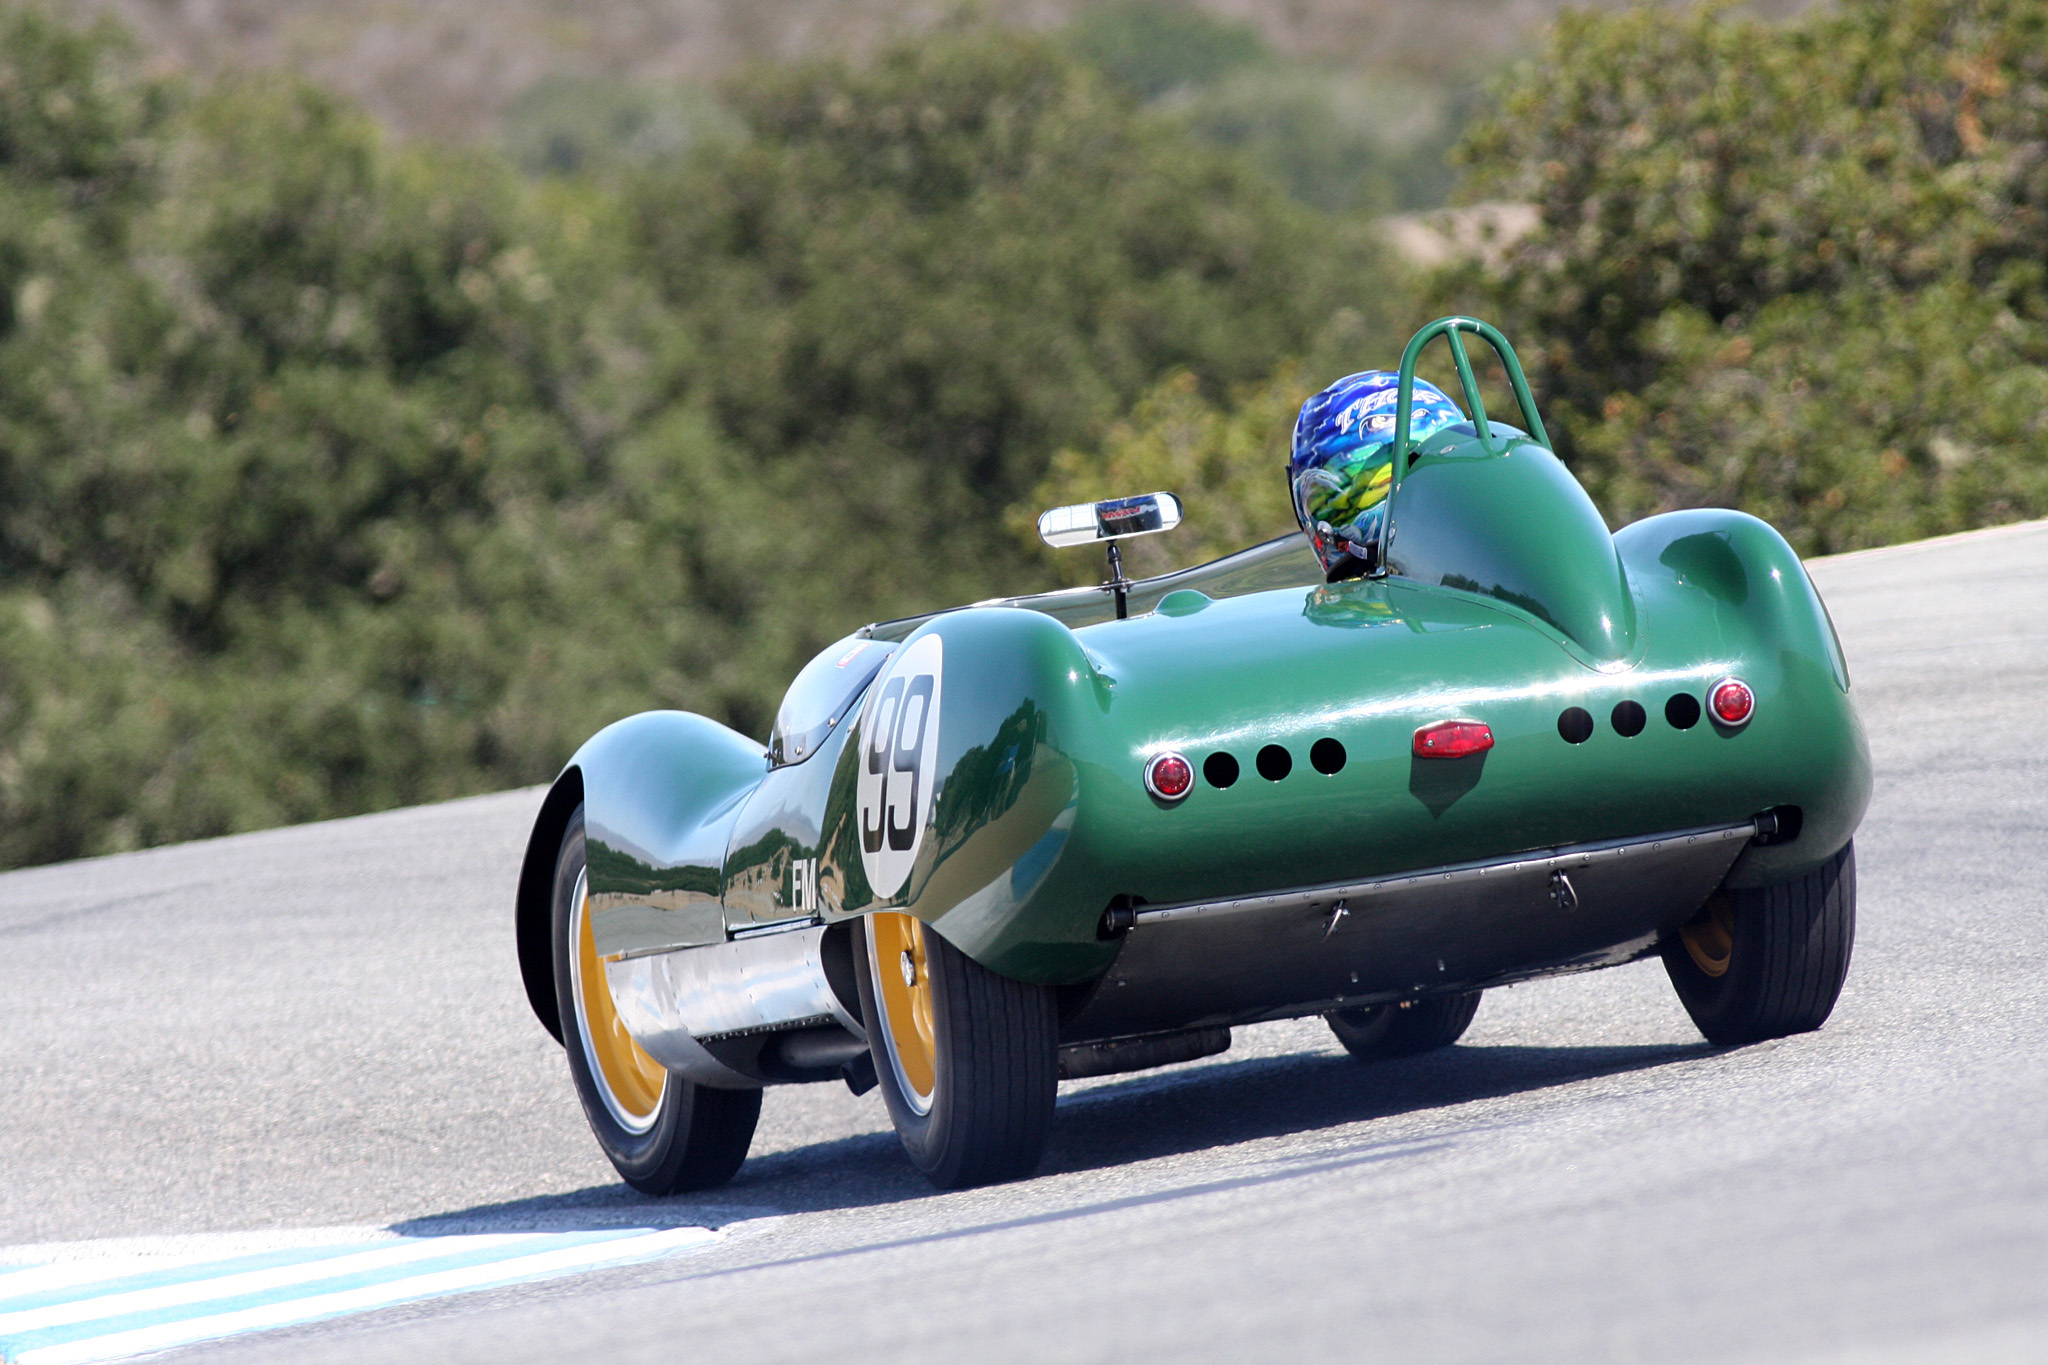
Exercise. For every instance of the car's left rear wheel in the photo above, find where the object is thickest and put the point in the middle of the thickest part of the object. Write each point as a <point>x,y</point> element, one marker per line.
<point>663,1133</point>
<point>968,1060</point>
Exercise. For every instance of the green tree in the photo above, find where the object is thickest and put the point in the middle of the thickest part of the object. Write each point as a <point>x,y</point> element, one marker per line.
<point>336,475</point>
<point>916,280</point>
<point>1795,267</point>
<point>1343,136</point>
<point>1156,48</point>
<point>1226,461</point>
<point>316,456</point>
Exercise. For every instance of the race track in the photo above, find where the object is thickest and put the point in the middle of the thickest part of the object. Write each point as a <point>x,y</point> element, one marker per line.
<point>323,1027</point>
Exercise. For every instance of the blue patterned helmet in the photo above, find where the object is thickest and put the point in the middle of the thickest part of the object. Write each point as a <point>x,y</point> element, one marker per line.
<point>1343,462</point>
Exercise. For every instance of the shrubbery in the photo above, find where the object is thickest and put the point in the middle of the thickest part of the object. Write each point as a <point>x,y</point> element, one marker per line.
<point>1800,269</point>
<point>336,475</point>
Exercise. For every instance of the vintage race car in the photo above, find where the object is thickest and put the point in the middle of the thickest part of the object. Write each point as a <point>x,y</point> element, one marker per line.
<point>1091,831</point>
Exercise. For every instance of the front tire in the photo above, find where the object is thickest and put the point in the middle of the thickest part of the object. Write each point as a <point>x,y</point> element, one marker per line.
<point>968,1060</point>
<point>1406,1028</point>
<point>1768,962</point>
<point>663,1133</point>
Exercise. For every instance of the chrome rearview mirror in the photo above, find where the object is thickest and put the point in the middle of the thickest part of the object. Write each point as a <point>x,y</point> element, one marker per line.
<point>1087,523</point>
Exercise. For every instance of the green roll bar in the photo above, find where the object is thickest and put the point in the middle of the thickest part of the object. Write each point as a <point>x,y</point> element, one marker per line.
<point>1448,328</point>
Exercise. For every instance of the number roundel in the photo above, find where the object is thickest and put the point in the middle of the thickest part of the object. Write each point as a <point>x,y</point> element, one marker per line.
<point>899,749</point>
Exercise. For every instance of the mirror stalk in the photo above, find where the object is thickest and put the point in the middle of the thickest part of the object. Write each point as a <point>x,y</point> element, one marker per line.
<point>1118,584</point>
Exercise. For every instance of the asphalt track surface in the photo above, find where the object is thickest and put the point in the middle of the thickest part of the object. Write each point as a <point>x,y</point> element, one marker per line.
<point>324,1025</point>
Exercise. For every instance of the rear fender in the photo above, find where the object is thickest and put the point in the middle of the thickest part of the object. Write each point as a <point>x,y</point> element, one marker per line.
<point>1723,585</point>
<point>970,736</point>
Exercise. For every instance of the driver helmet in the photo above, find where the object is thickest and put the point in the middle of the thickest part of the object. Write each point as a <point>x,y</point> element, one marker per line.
<point>1343,462</point>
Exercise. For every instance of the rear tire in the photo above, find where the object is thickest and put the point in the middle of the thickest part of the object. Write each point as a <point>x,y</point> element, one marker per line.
<point>663,1134</point>
<point>968,1060</point>
<point>1407,1028</point>
<point>1768,962</point>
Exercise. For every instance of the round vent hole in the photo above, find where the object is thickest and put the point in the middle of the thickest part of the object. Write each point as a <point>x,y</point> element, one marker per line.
<point>1275,763</point>
<point>1683,711</point>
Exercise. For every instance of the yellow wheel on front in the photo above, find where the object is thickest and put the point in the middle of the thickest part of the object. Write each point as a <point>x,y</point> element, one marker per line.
<point>630,1082</point>
<point>902,979</point>
<point>1710,938</point>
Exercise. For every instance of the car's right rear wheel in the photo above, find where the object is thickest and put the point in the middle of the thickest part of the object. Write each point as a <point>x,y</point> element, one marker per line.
<point>968,1060</point>
<point>1770,961</point>
<point>1405,1028</point>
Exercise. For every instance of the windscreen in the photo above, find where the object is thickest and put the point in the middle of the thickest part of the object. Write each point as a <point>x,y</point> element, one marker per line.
<point>821,696</point>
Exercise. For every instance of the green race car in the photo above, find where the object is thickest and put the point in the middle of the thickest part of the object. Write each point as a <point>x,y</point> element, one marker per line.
<point>1091,831</point>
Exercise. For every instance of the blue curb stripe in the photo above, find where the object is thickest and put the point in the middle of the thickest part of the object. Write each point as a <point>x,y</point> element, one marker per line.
<point>419,1268</point>
<point>177,1274</point>
<point>201,1302</point>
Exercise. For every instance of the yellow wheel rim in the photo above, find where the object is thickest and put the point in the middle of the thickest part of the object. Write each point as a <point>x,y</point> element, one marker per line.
<point>903,986</point>
<point>629,1081</point>
<point>1710,939</point>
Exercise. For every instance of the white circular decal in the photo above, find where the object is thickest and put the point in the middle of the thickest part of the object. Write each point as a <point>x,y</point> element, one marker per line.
<point>898,757</point>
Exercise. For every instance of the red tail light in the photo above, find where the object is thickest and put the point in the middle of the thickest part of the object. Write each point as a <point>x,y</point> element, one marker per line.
<point>1453,739</point>
<point>1731,702</point>
<point>1168,776</point>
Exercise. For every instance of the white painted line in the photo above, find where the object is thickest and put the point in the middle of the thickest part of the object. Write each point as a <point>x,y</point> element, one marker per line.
<point>289,1311</point>
<point>229,1286</point>
<point>40,1279</point>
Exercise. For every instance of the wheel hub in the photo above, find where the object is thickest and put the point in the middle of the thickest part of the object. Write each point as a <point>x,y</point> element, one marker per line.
<point>630,1082</point>
<point>1710,937</point>
<point>904,997</point>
